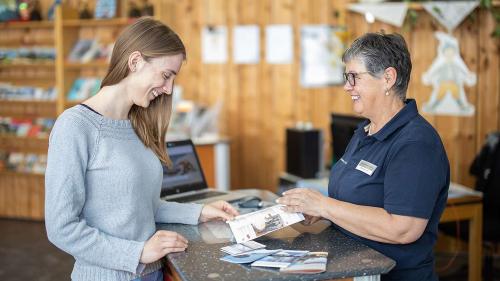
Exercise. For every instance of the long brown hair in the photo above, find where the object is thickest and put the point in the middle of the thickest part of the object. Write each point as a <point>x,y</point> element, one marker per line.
<point>152,39</point>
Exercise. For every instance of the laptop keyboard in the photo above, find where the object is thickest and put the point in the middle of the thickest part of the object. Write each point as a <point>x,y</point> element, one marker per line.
<point>195,197</point>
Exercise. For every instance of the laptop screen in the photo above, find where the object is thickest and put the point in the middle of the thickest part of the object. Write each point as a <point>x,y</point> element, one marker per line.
<point>186,173</point>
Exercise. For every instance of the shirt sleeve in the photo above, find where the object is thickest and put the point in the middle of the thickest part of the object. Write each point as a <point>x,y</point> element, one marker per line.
<point>173,212</point>
<point>70,149</point>
<point>415,176</point>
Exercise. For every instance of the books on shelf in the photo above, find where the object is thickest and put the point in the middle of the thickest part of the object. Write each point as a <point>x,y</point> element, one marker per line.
<point>83,88</point>
<point>11,92</point>
<point>27,55</point>
<point>23,162</point>
<point>39,127</point>
<point>87,50</point>
<point>105,9</point>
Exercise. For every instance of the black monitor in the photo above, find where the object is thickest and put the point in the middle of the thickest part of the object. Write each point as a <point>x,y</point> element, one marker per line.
<point>342,128</point>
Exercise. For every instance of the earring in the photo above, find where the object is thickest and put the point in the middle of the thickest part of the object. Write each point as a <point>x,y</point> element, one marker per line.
<point>387,92</point>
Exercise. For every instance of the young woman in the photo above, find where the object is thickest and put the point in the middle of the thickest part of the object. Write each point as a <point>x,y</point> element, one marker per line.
<point>104,174</point>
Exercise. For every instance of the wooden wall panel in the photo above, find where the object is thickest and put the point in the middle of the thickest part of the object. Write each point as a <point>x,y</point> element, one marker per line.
<point>262,100</point>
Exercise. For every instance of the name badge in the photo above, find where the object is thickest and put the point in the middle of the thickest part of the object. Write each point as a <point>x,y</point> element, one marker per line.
<point>366,167</point>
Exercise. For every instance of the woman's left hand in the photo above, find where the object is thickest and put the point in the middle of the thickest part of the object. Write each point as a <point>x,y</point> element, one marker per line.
<point>218,210</point>
<point>304,200</point>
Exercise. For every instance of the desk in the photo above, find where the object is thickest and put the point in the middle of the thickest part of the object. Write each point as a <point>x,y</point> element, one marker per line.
<point>469,208</point>
<point>347,258</point>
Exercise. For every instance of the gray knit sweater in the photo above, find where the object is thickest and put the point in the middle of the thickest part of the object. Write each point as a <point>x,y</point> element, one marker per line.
<point>102,189</point>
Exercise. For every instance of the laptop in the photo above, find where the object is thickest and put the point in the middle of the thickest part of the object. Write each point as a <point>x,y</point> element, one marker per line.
<point>185,182</point>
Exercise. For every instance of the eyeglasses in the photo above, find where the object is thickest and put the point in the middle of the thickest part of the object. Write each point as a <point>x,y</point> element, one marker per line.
<point>351,77</point>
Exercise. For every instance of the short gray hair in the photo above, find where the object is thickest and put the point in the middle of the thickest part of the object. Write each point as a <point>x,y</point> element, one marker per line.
<point>379,51</point>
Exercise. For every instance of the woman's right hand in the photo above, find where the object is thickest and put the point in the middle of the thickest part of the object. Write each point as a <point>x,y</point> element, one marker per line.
<point>162,243</point>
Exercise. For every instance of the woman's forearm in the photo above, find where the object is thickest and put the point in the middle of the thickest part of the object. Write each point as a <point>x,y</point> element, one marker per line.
<point>369,222</point>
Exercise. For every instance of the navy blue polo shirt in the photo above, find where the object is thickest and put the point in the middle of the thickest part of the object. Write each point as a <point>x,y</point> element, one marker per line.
<point>410,175</point>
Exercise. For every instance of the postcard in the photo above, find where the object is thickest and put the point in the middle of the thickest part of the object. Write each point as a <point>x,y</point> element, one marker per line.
<point>280,259</point>
<point>252,225</point>
<point>242,248</point>
<point>312,263</point>
<point>250,257</point>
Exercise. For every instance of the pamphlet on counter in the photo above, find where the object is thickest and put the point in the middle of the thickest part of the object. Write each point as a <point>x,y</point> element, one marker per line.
<point>252,225</point>
<point>288,261</point>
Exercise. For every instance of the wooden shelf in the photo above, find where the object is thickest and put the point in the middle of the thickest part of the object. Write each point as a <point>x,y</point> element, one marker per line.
<point>28,65</point>
<point>23,174</point>
<point>92,64</point>
<point>24,144</point>
<point>97,22</point>
<point>28,109</point>
<point>32,82</point>
<point>27,24</point>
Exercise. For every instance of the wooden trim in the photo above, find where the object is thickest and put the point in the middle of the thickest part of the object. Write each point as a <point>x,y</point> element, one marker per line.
<point>27,24</point>
<point>28,109</point>
<point>24,144</point>
<point>96,22</point>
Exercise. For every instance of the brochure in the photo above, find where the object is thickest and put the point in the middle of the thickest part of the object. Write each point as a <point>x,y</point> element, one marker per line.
<point>239,249</point>
<point>312,263</point>
<point>252,225</point>
<point>249,257</point>
<point>280,259</point>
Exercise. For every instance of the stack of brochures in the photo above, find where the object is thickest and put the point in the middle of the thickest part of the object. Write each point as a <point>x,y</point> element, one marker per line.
<point>288,261</point>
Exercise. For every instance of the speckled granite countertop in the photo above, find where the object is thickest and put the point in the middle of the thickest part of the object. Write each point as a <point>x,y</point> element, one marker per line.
<point>346,257</point>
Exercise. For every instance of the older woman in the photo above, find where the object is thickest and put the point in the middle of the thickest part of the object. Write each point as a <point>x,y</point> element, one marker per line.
<point>390,187</point>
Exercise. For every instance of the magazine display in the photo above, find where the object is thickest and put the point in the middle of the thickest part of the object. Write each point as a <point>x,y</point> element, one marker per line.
<point>252,225</point>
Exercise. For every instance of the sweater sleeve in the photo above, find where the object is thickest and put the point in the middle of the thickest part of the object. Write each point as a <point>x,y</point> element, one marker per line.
<point>71,146</point>
<point>173,212</point>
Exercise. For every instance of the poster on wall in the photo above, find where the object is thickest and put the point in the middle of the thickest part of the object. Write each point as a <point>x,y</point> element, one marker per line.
<point>321,63</point>
<point>279,44</point>
<point>214,44</point>
<point>448,75</point>
<point>246,44</point>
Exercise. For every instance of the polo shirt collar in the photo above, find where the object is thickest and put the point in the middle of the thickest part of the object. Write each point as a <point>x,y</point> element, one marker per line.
<point>407,113</point>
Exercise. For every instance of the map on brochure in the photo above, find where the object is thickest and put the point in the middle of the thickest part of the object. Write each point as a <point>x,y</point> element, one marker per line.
<point>252,225</point>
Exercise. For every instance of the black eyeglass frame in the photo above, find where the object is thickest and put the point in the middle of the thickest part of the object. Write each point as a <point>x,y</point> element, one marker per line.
<point>351,77</point>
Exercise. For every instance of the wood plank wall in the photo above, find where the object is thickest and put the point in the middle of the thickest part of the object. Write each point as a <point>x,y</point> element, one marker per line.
<point>261,100</point>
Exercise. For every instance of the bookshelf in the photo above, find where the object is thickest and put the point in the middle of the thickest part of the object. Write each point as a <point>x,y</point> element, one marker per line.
<point>22,192</point>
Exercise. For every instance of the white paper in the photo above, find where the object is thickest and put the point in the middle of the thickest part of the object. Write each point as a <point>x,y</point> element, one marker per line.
<point>391,13</point>
<point>279,44</point>
<point>457,190</point>
<point>450,13</point>
<point>246,44</point>
<point>321,56</point>
<point>214,44</point>
<point>252,225</point>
